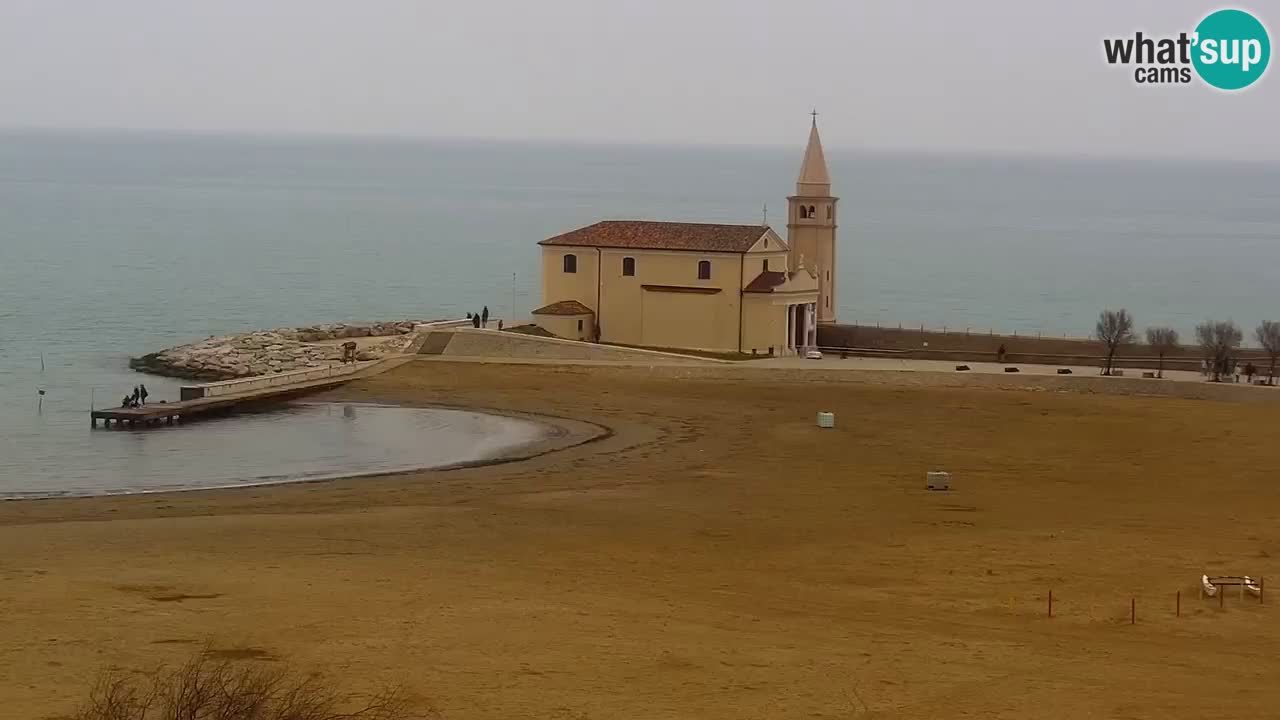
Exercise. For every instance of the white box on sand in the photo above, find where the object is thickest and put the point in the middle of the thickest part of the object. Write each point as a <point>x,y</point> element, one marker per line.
<point>826,420</point>
<point>937,480</point>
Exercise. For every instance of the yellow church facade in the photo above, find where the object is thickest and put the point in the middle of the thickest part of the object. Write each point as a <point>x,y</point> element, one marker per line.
<point>699,286</point>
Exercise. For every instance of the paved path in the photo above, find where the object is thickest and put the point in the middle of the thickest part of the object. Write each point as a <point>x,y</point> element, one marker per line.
<point>159,412</point>
<point>832,362</point>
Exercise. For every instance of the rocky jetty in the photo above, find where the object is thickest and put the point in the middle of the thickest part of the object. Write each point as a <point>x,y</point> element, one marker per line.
<point>274,351</point>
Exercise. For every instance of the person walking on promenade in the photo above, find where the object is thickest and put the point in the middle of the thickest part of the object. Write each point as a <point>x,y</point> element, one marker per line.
<point>1000,353</point>
<point>475,321</point>
<point>484,317</point>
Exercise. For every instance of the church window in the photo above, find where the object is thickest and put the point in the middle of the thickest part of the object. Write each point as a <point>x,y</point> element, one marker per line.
<point>765,268</point>
<point>812,213</point>
<point>828,212</point>
<point>704,269</point>
<point>804,212</point>
<point>628,266</point>
<point>571,263</point>
<point>579,326</point>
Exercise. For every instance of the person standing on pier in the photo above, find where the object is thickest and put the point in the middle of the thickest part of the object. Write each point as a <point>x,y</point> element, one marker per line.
<point>137,396</point>
<point>143,393</point>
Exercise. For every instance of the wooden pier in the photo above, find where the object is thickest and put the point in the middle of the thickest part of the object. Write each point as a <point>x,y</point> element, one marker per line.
<point>226,396</point>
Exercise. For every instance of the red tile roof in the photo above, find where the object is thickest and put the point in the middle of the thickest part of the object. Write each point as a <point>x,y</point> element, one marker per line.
<point>651,235</point>
<point>765,282</point>
<point>564,307</point>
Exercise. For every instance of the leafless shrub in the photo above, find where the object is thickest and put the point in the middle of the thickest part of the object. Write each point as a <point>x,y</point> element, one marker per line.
<point>116,698</point>
<point>205,688</point>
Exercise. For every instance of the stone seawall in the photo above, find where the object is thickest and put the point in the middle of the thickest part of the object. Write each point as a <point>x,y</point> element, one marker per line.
<point>274,351</point>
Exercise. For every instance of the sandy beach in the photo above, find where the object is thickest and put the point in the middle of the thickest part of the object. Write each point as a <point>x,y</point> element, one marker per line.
<point>712,555</point>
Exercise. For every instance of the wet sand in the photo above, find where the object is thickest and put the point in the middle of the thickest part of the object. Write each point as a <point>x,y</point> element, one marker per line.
<point>715,556</point>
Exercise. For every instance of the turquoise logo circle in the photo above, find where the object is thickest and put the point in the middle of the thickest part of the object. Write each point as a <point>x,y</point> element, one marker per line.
<point>1231,49</point>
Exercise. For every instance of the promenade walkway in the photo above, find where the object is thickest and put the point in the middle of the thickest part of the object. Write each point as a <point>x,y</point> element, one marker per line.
<point>167,413</point>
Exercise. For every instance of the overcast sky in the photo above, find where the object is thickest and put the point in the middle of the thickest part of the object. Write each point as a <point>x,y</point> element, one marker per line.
<point>1012,76</point>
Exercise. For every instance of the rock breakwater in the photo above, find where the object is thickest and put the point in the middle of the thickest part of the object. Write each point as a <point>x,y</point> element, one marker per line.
<point>265,352</point>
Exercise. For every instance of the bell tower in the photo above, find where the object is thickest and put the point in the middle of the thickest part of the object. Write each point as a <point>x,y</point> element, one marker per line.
<point>811,223</point>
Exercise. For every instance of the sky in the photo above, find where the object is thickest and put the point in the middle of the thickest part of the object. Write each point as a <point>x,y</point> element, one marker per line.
<point>1003,76</point>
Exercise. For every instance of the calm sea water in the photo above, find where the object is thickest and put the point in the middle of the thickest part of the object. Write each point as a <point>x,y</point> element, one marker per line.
<point>290,442</point>
<point>112,245</point>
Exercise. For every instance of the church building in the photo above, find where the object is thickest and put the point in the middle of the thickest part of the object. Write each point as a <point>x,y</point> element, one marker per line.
<point>700,286</point>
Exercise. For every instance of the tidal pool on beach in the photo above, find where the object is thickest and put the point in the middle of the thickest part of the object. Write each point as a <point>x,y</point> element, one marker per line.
<point>286,443</point>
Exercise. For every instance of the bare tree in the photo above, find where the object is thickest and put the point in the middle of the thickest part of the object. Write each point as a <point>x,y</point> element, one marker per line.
<point>1115,328</point>
<point>1268,336</point>
<point>206,687</point>
<point>1217,338</point>
<point>1162,340</point>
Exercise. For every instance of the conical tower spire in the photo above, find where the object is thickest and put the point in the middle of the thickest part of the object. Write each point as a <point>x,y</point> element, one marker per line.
<point>811,225</point>
<point>813,178</point>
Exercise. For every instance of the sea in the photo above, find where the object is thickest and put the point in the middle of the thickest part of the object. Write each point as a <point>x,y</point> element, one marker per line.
<point>114,244</point>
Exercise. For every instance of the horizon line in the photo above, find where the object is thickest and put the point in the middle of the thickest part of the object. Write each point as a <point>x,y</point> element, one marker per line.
<point>373,136</point>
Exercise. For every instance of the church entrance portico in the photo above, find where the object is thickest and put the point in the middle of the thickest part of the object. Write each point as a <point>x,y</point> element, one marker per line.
<point>802,328</point>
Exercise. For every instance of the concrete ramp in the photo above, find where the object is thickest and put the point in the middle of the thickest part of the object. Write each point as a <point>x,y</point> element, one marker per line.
<point>435,342</point>
<point>469,342</point>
